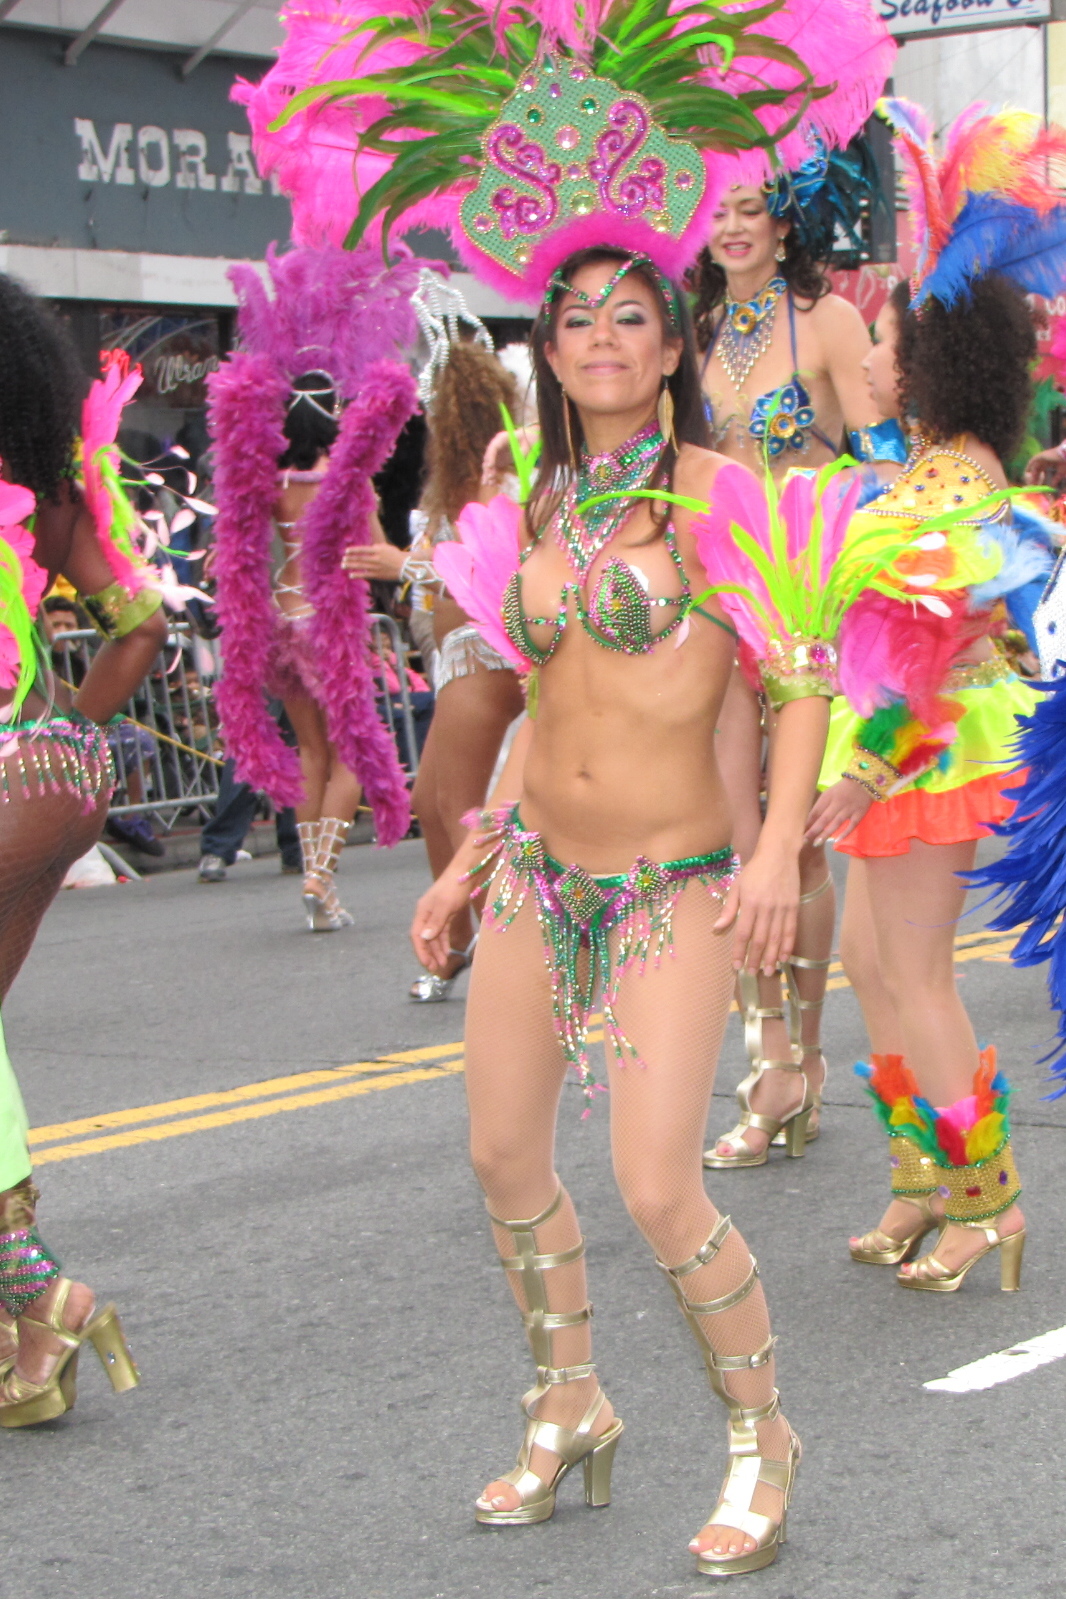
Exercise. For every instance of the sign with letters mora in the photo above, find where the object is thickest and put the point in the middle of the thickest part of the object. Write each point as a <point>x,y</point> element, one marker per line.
<point>921,18</point>
<point>121,153</point>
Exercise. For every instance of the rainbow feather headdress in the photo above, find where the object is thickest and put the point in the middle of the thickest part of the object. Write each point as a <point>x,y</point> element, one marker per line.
<point>531,128</point>
<point>992,201</point>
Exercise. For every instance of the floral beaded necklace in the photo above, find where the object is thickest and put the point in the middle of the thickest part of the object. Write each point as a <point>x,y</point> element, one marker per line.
<point>615,472</point>
<point>747,328</point>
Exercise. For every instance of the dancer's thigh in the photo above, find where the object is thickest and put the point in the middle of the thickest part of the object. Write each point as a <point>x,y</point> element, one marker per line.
<point>515,1068</point>
<point>674,1013</point>
<point>40,838</point>
<point>917,900</point>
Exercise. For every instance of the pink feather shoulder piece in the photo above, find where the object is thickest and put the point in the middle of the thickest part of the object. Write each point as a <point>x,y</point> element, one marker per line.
<point>477,568</point>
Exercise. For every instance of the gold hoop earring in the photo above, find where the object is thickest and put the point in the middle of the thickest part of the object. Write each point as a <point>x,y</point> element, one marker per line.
<point>566,426</point>
<point>779,253</point>
<point>665,410</point>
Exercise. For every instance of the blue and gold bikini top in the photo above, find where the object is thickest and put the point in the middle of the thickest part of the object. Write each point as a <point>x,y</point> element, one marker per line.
<point>618,616</point>
<point>781,419</point>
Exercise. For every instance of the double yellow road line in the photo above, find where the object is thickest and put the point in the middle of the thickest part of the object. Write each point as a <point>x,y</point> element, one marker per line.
<point>173,1118</point>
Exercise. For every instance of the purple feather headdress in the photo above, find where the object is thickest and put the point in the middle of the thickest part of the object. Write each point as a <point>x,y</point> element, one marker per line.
<point>345,313</point>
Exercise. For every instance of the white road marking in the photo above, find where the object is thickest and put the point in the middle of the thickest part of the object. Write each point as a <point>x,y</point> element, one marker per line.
<point>1008,1363</point>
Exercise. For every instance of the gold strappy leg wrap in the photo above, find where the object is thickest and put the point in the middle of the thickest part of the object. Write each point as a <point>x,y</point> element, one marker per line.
<point>794,1126</point>
<point>24,1404</point>
<point>747,1467</point>
<point>798,1004</point>
<point>571,1444</point>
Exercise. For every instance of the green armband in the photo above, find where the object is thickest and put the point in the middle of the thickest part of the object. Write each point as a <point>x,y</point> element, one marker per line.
<point>114,612</point>
<point>798,669</point>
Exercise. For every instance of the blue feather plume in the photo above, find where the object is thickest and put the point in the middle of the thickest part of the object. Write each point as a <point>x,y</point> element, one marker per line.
<point>1031,876</point>
<point>993,234</point>
<point>1026,556</point>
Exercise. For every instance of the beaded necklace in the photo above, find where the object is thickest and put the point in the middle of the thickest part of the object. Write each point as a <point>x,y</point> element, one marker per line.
<point>747,328</point>
<point>615,472</point>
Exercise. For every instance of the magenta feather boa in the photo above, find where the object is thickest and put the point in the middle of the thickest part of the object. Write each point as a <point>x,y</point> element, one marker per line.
<point>339,515</point>
<point>247,410</point>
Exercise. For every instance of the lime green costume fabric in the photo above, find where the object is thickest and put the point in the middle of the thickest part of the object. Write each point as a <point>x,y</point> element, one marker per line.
<point>982,746</point>
<point>15,1164</point>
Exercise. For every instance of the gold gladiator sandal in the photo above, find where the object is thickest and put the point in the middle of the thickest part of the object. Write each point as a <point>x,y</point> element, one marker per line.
<point>25,1404</point>
<point>973,1197</point>
<point>571,1444</point>
<point>795,999</point>
<point>794,1126</point>
<point>912,1181</point>
<point>747,1467</point>
<point>325,914</point>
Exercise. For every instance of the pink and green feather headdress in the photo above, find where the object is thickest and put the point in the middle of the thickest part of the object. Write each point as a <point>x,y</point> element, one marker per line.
<point>532,128</point>
<point>991,199</point>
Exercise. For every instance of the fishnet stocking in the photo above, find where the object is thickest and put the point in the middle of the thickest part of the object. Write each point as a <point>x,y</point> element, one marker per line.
<point>675,1015</point>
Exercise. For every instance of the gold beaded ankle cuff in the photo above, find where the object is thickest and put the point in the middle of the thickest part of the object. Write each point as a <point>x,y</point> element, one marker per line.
<point>977,1193</point>
<point>912,1172</point>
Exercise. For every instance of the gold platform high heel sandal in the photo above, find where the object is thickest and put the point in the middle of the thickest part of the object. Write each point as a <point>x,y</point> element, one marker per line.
<point>747,1467</point>
<point>878,1248</point>
<point>792,1127</point>
<point>571,1444</point>
<point>933,1276</point>
<point>798,1004</point>
<point>26,1404</point>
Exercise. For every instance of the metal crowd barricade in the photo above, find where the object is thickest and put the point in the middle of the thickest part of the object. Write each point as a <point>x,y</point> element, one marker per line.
<point>168,755</point>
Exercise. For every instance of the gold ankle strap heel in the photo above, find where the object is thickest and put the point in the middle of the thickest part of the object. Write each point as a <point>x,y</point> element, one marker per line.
<point>747,1467</point>
<point>792,1128</point>
<point>26,1404</point>
<point>878,1248</point>
<point>571,1444</point>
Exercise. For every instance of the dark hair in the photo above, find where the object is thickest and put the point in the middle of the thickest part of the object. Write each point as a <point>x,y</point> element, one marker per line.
<point>311,424</point>
<point>690,420</point>
<point>41,388</point>
<point>967,368</point>
<point>807,278</point>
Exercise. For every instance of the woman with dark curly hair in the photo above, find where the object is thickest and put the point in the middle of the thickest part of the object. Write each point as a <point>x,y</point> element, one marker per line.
<point>782,380</point>
<point>55,783</point>
<point>478,693</point>
<point>908,795</point>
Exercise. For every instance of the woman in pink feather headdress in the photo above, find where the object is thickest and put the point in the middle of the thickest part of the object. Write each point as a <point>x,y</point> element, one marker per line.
<point>56,775</point>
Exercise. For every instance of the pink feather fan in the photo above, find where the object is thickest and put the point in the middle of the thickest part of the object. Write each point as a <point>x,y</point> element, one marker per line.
<point>101,414</point>
<point>478,566</point>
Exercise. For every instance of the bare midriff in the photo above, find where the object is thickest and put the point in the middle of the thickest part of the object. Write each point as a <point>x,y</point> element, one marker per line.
<point>622,759</point>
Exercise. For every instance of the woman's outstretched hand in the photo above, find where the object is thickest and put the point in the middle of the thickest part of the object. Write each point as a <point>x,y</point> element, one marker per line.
<point>764,904</point>
<point>838,811</point>
<point>431,926</point>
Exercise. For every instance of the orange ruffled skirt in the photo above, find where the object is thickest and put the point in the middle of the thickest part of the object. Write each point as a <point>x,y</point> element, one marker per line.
<point>959,801</point>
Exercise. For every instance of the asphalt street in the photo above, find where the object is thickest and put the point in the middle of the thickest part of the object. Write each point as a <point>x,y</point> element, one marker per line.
<point>253,1143</point>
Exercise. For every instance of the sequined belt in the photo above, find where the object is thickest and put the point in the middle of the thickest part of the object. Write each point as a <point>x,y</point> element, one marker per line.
<point>578,912</point>
<point>58,754</point>
<point>978,674</point>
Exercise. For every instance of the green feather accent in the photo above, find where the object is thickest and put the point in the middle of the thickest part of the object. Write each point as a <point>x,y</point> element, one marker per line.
<point>880,731</point>
<point>17,620</point>
<point>525,461</point>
